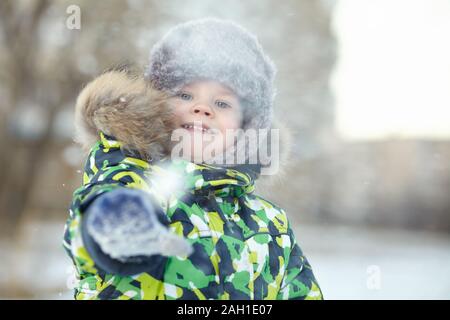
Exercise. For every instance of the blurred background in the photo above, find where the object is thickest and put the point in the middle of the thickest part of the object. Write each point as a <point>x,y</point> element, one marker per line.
<point>363,85</point>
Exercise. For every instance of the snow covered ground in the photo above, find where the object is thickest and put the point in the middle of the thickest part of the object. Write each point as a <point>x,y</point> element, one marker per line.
<point>34,265</point>
<point>370,263</point>
<point>349,263</point>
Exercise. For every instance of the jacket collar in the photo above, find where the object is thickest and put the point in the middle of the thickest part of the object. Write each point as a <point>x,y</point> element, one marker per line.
<point>197,178</point>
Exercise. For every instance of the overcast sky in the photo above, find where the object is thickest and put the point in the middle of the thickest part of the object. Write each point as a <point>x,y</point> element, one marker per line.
<point>393,73</point>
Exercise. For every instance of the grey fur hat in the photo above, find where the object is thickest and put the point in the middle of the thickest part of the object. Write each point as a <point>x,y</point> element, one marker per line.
<point>219,50</point>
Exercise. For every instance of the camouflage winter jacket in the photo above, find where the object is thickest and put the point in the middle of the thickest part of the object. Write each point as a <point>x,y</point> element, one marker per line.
<point>244,247</point>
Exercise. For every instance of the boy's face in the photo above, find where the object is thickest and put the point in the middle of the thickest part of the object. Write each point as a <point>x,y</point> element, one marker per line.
<point>205,109</point>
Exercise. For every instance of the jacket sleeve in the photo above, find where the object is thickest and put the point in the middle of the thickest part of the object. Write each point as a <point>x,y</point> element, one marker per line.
<point>85,252</point>
<point>299,282</point>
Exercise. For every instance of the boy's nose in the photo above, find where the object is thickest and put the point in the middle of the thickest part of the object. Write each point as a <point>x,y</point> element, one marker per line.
<point>202,109</point>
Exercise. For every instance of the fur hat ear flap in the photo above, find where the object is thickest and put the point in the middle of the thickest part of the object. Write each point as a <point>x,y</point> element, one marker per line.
<point>126,107</point>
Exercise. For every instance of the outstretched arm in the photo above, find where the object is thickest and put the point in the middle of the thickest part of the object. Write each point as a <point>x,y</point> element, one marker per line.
<point>126,233</point>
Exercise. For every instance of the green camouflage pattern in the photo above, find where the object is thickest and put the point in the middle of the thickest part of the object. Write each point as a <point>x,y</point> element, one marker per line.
<point>244,247</point>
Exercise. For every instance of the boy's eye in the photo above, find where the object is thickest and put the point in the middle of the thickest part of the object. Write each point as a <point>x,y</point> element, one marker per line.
<point>185,96</point>
<point>222,104</point>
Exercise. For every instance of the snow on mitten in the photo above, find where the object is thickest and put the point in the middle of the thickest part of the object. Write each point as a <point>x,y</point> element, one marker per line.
<point>125,224</point>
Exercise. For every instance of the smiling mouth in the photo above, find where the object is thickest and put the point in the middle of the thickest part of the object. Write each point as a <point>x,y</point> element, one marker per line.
<point>196,127</point>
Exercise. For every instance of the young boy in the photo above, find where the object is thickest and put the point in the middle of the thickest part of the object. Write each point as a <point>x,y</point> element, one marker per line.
<point>146,225</point>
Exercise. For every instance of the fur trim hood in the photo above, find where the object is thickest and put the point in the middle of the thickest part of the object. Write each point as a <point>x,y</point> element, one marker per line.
<point>123,105</point>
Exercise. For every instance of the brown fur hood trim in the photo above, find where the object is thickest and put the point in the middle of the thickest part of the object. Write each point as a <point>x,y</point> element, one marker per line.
<point>126,107</point>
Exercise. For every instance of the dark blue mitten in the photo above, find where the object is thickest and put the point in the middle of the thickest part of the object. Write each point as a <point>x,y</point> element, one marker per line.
<point>124,223</point>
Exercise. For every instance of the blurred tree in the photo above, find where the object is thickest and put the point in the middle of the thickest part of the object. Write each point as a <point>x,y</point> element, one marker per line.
<point>19,22</point>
